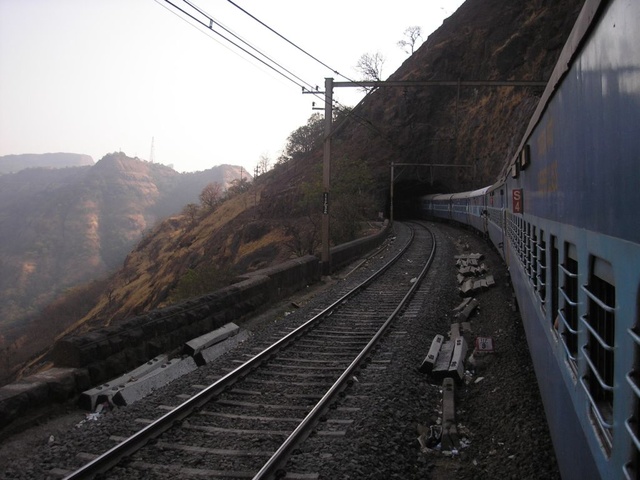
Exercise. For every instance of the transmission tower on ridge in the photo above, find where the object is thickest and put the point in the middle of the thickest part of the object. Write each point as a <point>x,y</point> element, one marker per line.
<point>153,152</point>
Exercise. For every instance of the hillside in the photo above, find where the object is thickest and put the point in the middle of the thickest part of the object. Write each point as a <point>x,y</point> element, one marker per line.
<point>60,228</point>
<point>484,39</point>
<point>278,217</point>
<point>15,163</point>
<point>479,127</point>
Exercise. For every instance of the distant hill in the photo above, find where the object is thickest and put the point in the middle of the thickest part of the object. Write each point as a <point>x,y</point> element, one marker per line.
<point>61,227</point>
<point>15,163</point>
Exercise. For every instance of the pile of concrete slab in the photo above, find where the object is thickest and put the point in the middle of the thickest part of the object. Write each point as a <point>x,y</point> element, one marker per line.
<point>161,370</point>
<point>445,362</point>
<point>472,274</point>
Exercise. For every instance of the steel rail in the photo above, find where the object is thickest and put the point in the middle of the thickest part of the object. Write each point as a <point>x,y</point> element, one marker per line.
<point>271,468</point>
<point>129,446</point>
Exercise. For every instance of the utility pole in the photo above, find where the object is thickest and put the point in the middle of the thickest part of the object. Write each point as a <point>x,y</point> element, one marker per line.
<point>326,174</point>
<point>329,84</point>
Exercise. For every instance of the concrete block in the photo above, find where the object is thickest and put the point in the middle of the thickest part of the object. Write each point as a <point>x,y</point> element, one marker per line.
<point>490,281</point>
<point>441,368</point>
<point>465,271</point>
<point>466,329</point>
<point>466,289</point>
<point>448,401</point>
<point>456,368</point>
<point>209,354</point>
<point>449,432</point>
<point>469,309</point>
<point>462,304</point>
<point>434,350</point>
<point>106,391</point>
<point>159,377</point>
<point>196,345</point>
<point>455,331</point>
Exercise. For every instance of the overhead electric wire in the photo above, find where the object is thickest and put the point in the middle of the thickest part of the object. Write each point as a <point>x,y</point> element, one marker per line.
<point>287,40</point>
<point>213,21</point>
<point>210,27</point>
<point>363,121</point>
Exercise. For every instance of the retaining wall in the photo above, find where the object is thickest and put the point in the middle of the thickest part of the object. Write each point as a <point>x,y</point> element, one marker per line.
<point>83,361</point>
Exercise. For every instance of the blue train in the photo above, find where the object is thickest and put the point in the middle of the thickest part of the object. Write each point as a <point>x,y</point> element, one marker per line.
<point>565,217</point>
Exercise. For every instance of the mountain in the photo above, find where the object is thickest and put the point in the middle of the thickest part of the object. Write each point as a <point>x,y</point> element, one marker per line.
<point>468,133</point>
<point>60,228</point>
<point>474,130</point>
<point>15,163</point>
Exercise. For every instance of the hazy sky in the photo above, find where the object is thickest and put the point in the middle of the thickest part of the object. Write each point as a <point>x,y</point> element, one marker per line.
<point>98,76</point>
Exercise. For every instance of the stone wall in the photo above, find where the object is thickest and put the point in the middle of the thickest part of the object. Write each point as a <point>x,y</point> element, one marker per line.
<point>83,361</point>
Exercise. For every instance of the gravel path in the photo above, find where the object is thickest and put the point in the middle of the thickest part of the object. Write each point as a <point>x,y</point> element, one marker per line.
<point>499,412</point>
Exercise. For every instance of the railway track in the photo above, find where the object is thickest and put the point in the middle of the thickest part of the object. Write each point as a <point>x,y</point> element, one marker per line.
<point>248,422</point>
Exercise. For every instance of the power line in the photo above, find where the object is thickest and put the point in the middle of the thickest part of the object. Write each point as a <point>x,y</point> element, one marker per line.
<point>209,26</point>
<point>213,21</point>
<point>287,40</point>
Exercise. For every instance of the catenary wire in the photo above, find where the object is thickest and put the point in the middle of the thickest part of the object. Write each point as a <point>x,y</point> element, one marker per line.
<point>287,40</point>
<point>213,21</point>
<point>358,118</point>
<point>235,44</point>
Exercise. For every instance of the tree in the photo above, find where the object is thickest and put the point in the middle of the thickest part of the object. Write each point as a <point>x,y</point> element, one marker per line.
<point>238,186</point>
<point>191,211</point>
<point>211,195</point>
<point>412,34</point>
<point>370,66</point>
<point>304,139</point>
<point>264,163</point>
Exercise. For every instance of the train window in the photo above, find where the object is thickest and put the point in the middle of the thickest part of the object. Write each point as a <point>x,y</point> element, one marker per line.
<point>541,275</point>
<point>632,424</point>
<point>522,240</point>
<point>533,267</point>
<point>600,322</point>
<point>568,313</point>
<point>554,283</point>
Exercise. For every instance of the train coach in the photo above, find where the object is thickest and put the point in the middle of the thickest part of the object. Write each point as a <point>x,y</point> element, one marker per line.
<point>564,216</point>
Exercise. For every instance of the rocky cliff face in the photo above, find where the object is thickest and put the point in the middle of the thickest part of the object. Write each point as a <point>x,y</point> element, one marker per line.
<point>476,127</point>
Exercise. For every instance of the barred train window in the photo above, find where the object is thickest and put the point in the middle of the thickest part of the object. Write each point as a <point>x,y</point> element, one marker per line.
<point>568,313</point>
<point>554,282</point>
<point>533,266</point>
<point>541,270</point>
<point>632,424</point>
<point>600,322</point>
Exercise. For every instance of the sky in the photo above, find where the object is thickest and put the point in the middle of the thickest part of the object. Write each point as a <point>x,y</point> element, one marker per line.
<point>101,76</point>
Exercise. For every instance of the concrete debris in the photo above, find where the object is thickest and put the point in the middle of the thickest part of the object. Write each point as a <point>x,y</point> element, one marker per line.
<point>169,371</point>
<point>471,275</point>
<point>89,399</point>
<point>446,359</point>
<point>456,367</point>
<point>434,350</point>
<point>159,371</point>
<point>443,360</point>
<point>468,309</point>
<point>196,345</point>
<point>209,354</point>
<point>450,438</point>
